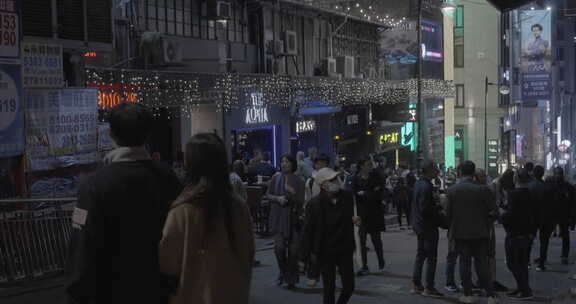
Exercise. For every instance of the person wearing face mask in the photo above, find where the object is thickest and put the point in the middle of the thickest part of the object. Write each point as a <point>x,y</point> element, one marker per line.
<point>329,235</point>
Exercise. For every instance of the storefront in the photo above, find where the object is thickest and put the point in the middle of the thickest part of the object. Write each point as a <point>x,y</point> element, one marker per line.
<point>314,127</point>
<point>258,125</point>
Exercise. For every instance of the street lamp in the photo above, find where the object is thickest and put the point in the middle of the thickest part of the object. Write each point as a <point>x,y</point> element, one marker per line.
<point>448,7</point>
<point>502,89</point>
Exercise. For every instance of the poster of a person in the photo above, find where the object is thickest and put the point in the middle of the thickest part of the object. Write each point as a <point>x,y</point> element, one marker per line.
<point>536,54</point>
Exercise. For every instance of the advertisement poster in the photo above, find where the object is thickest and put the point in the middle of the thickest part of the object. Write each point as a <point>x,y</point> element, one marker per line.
<point>11,115</point>
<point>10,30</point>
<point>42,65</point>
<point>536,57</point>
<point>61,128</point>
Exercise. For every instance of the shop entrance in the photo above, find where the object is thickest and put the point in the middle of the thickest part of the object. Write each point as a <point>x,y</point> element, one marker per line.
<point>244,141</point>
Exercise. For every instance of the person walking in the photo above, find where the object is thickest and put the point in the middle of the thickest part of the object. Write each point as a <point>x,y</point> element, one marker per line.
<point>208,233</point>
<point>118,219</point>
<point>286,194</point>
<point>482,179</point>
<point>519,220</point>
<point>368,190</point>
<point>546,215</point>
<point>426,220</point>
<point>471,211</point>
<point>564,200</point>
<point>329,235</point>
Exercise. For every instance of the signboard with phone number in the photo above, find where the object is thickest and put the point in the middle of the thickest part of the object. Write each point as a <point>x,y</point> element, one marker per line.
<point>9,29</point>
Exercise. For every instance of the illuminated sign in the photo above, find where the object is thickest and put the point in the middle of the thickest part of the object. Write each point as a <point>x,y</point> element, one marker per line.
<point>352,119</point>
<point>389,138</point>
<point>257,113</point>
<point>90,54</point>
<point>408,135</point>
<point>305,126</point>
<point>107,100</point>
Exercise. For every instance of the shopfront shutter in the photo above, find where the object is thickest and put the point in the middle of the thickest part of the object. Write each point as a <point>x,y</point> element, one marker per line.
<point>99,21</point>
<point>37,18</point>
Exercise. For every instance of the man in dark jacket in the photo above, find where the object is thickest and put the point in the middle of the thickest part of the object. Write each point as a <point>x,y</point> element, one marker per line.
<point>329,235</point>
<point>520,223</point>
<point>545,214</point>
<point>119,218</point>
<point>425,222</point>
<point>564,197</point>
<point>471,211</point>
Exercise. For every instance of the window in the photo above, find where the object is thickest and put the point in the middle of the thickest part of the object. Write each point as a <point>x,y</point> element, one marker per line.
<point>460,97</point>
<point>192,18</point>
<point>561,72</point>
<point>459,37</point>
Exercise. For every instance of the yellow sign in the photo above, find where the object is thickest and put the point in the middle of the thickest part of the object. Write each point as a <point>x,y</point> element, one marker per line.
<point>389,138</point>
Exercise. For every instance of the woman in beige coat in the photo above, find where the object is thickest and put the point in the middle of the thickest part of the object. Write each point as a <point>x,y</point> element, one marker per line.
<point>208,244</point>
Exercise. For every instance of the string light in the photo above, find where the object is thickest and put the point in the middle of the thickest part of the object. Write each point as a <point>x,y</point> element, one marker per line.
<point>182,94</point>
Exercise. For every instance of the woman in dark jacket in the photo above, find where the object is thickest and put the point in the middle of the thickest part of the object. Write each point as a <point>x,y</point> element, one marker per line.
<point>367,188</point>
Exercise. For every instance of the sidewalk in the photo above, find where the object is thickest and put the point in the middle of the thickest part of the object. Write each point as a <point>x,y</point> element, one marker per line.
<point>391,287</point>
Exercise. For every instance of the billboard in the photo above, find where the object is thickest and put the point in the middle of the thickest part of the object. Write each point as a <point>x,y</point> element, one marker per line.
<point>11,111</point>
<point>536,57</point>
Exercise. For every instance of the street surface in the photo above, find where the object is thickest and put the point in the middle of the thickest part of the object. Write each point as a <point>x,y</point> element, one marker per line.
<point>391,287</point>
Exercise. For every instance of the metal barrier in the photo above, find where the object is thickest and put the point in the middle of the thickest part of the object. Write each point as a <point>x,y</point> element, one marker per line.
<point>34,236</point>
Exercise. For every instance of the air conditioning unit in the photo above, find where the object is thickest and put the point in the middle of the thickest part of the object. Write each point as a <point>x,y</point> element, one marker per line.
<point>290,38</point>
<point>223,10</point>
<point>276,47</point>
<point>345,66</point>
<point>172,51</point>
<point>331,66</point>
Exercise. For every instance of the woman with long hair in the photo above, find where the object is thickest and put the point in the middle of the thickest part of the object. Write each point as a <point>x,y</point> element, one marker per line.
<point>208,233</point>
<point>286,195</point>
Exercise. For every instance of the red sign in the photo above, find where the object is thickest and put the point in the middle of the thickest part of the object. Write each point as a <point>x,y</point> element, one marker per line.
<point>9,30</point>
<point>112,94</point>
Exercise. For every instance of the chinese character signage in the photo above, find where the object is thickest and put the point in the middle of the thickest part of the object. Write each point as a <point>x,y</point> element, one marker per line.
<point>9,29</point>
<point>11,115</point>
<point>305,126</point>
<point>536,56</point>
<point>42,65</point>
<point>61,128</point>
<point>492,154</point>
<point>257,113</point>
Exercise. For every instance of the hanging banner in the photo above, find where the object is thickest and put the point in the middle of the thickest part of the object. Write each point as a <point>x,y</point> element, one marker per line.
<point>61,128</point>
<point>10,30</point>
<point>42,65</point>
<point>536,59</point>
<point>11,115</point>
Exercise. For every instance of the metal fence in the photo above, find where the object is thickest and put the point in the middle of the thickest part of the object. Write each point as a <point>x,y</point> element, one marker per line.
<point>34,234</point>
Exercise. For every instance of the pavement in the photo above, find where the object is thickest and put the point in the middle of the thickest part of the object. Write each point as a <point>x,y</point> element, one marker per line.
<point>393,286</point>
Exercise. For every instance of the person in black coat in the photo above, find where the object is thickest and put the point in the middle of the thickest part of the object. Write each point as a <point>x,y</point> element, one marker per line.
<point>520,223</point>
<point>118,220</point>
<point>368,191</point>
<point>426,220</point>
<point>328,235</point>
<point>563,198</point>
<point>546,214</point>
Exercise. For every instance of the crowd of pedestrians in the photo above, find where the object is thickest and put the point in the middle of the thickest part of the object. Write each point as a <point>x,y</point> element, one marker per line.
<point>141,234</point>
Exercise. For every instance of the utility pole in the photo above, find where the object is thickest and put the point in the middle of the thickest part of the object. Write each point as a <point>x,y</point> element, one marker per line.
<point>419,105</point>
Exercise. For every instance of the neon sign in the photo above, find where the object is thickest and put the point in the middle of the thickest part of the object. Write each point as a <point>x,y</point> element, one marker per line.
<point>257,113</point>
<point>389,138</point>
<point>305,126</point>
<point>111,99</point>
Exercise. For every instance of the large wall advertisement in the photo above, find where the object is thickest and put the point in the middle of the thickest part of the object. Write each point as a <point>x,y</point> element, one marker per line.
<point>536,58</point>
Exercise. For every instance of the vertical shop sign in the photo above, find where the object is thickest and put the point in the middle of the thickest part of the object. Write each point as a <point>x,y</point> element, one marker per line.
<point>493,157</point>
<point>11,115</point>
<point>61,128</point>
<point>536,58</point>
<point>9,30</point>
<point>42,65</point>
